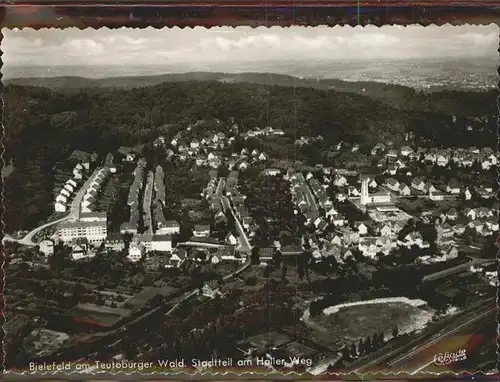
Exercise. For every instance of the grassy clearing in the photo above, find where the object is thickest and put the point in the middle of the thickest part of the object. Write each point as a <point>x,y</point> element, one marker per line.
<point>351,323</point>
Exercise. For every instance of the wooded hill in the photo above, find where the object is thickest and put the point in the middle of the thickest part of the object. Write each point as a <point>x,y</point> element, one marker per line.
<point>43,126</point>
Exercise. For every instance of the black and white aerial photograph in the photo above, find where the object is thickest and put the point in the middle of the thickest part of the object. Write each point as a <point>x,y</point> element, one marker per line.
<point>250,201</point>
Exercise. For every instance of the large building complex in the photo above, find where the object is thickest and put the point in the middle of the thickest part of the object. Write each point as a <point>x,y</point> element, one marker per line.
<point>92,226</point>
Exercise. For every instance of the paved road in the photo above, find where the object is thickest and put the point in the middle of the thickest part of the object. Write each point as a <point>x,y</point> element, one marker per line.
<point>220,186</point>
<point>245,243</point>
<point>309,195</point>
<point>245,247</point>
<point>146,203</point>
<point>74,214</point>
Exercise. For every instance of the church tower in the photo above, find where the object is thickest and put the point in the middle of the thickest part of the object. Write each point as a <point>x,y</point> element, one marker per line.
<point>365,196</point>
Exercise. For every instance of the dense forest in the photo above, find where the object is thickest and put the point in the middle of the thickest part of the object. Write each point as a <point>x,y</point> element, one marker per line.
<point>42,126</point>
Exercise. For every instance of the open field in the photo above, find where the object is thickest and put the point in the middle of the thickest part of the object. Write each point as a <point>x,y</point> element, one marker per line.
<point>98,315</point>
<point>349,324</point>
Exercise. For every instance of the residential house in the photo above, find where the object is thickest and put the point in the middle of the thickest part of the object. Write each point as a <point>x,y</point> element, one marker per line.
<point>404,190</point>
<point>386,230</point>
<point>161,243</point>
<point>169,227</point>
<point>347,254</point>
<point>340,197</point>
<point>459,229</point>
<point>353,191</point>
<point>450,253</point>
<point>453,187</point>
<point>272,171</point>
<point>400,164</point>
<point>177,258</point>
<point>441,160</point>
<point>46,247</point>
<point>65,192</point>
<point>379,147</point>
<point>128,227</point>
<point>477,225</point>
<point>392,184</point>
<point>80,248</point>
<point>146,239</point>
<point>231,239</point>
<point>243,165</point>
<point>444,231</point>
<point>201,230</point>
<point>467,194</point>
<point>392,154</point>
<point>340,181</point>
<point>391,170</point>
<point>418,184</point>
<point>337,220</point>
<point>60,207</point>
<point>484,212</point>
<point>135,252</point>
<point>77,174</point>
<point>406,151</point>
<point>114,241</point>
<point>62,199</point>
<point>262,156</point>
<point>436,195</point>
<point>452,214</point>
<point>372,183</point>
<point>211,289</point>
<point>336,240</point>
<point>266,254</point>
<point>414,238</point>
<point>361,228</point>
<point>492,224</point>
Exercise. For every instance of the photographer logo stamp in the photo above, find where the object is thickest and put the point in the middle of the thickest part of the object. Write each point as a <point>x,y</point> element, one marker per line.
<point>449,358</point>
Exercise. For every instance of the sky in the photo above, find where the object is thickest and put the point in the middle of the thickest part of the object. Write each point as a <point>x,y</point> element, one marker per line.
<point>222,47</point>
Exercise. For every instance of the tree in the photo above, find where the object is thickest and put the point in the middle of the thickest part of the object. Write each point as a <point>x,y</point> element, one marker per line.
<point>345,353</point>
<point>315,308</point>
<point>283,273</point>
<point>368,344</point>
<point>251,280</point>
<point>300,272</point>
<point>267,271</point>
<point>361,346</point>
<point>78,292</point>
<point>395,332</point>
<point>428,231</point>
<point>277,258</point>
<point>254,257</point>
<point>354,350</point>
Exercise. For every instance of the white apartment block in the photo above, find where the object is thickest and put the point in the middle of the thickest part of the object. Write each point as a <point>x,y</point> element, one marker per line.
<point>94,231</point>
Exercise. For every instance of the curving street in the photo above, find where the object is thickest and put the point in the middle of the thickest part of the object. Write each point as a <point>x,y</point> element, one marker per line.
<point>74,214</point>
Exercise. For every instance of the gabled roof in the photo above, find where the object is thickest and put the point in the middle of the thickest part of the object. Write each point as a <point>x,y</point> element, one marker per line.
<point>202,227</point>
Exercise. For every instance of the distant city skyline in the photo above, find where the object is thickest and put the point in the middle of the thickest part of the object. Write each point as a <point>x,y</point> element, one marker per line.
<point>47,52</point>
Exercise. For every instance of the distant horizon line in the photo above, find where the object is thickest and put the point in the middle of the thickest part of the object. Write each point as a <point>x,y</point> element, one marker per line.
<point>332,60</point>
